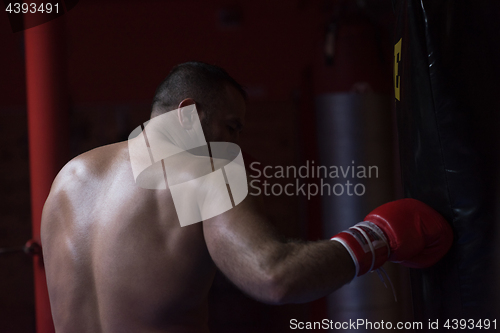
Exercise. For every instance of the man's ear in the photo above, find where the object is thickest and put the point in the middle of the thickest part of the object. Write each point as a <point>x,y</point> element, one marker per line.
<point>185,114</point>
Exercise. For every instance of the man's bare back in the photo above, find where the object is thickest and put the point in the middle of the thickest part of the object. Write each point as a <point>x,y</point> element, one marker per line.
<point>117,258</point>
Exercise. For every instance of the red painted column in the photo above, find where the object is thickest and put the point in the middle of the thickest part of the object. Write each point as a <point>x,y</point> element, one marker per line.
<point>47,104</point>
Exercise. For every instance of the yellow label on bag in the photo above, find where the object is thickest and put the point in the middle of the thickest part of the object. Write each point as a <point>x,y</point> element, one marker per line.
<point>397,77</point>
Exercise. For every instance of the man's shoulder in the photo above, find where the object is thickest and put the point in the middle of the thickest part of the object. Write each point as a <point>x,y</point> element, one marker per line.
<point>89,166</point>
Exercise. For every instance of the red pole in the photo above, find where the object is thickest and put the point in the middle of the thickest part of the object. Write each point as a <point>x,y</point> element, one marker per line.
<point>47,127</point>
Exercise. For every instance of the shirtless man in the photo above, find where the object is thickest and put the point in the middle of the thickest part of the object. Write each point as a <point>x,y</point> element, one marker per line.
<point>117,259</point>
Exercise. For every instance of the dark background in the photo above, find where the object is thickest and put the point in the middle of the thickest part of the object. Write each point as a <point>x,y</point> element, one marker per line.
<point>119,51</point>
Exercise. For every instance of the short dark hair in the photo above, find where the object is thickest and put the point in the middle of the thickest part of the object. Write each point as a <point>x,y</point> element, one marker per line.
<point>203,82</point>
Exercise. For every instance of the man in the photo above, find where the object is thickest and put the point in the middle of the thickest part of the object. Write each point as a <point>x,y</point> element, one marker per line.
<point>118,260</point>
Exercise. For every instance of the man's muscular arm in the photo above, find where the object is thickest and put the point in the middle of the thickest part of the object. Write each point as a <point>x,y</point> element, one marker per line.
<point>247,250</point>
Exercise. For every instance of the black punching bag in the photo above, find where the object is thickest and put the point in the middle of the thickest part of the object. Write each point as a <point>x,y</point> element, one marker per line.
<point>447,90</point>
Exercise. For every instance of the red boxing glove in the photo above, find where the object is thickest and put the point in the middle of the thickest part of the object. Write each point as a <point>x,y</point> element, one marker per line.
<point>405,231</point>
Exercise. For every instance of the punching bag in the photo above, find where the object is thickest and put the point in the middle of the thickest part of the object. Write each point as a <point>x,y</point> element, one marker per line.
<point>446,89</point>
<point>354,127</point>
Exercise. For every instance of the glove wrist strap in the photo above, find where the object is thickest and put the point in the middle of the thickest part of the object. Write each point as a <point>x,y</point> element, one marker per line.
<point>367,245</point>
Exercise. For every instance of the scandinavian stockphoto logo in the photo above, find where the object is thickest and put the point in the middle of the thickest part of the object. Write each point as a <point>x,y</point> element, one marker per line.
<point>310,180</point>
<point>205,179</point>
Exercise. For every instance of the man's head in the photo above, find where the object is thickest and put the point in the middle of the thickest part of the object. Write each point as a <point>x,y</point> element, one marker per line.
<point>219,99</point>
